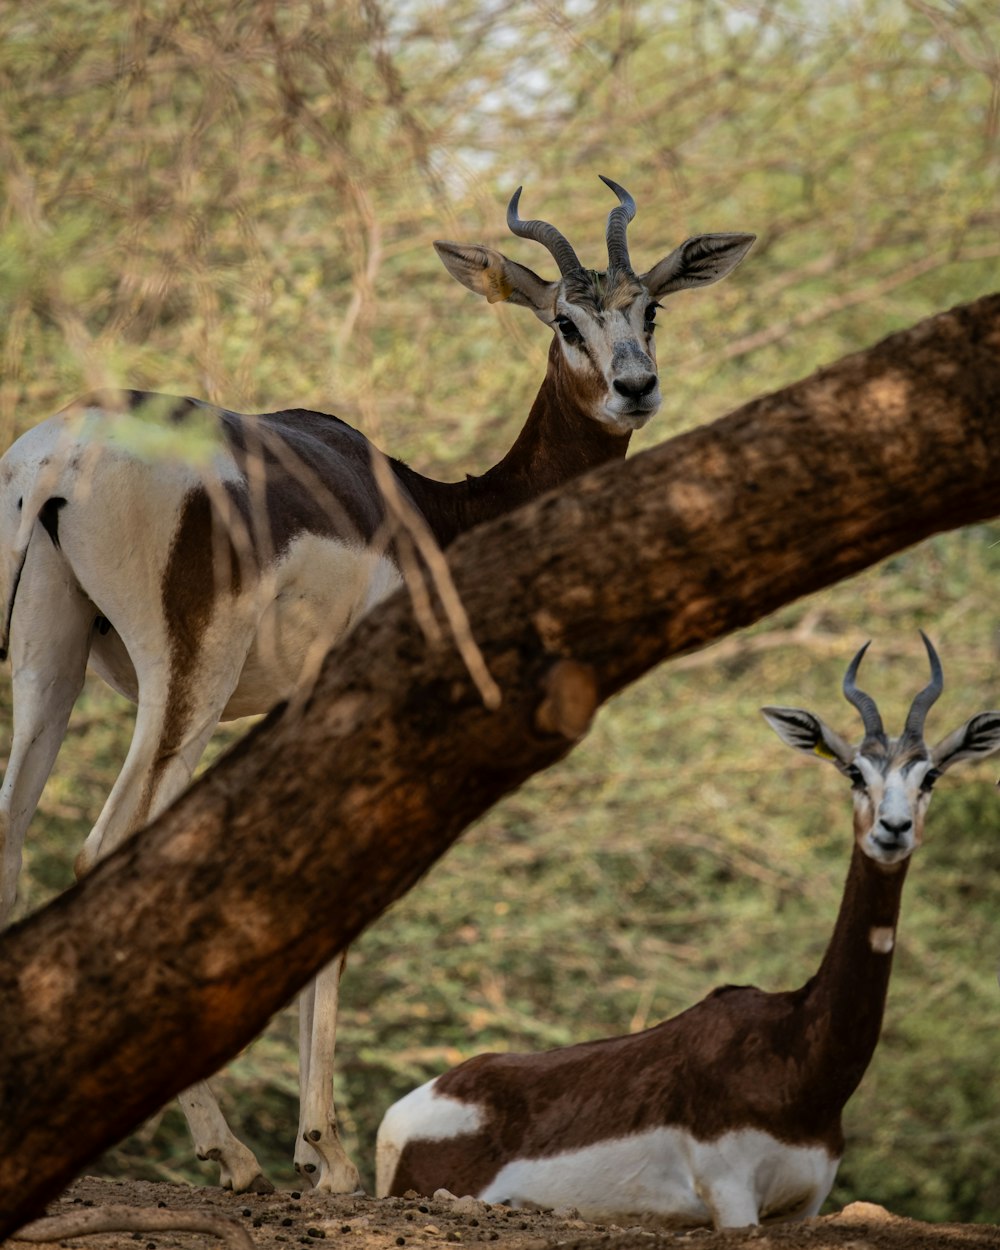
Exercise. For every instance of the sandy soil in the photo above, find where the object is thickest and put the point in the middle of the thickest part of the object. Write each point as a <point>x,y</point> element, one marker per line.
<point>284,1221</point>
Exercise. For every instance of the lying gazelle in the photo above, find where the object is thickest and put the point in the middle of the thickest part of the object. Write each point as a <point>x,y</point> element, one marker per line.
<point>204,594</point>
<point>729,1113</point>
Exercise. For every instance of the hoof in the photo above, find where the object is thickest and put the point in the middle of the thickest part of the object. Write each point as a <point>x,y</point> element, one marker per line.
<point>260,1185</point>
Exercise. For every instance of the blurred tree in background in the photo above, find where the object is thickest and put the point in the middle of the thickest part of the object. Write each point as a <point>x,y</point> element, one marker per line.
<point>236,200</point>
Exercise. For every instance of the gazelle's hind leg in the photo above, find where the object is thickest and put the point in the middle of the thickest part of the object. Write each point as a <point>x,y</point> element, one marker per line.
<point>213,1139</point>
<point>155,772</point>
<point>175,762</point>
<point>49,642</point>
<point>319,1153</point>
<point>179,708</point>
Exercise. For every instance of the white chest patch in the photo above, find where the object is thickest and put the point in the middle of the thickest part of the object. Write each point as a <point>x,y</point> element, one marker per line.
<point>881,938</point>
<point>666,1174</point>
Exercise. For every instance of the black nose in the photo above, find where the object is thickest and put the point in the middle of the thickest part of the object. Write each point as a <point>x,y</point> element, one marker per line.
<point>898,829</point>
<point>636,388</point>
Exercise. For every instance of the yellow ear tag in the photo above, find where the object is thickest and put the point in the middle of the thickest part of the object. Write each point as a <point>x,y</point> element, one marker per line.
<point>823,751</point>
<point>495,285</point>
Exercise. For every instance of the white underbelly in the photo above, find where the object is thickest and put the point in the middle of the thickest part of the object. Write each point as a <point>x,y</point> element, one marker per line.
<point>667,1175</point>
<point>304,606</point>
<point>318,592</point>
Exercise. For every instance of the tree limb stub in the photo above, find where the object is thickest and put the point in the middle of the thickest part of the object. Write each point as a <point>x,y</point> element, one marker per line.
<point>176,950</point>
<point>570,701</point>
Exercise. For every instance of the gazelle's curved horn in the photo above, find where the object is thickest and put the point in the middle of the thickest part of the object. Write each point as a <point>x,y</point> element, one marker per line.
<point>865,704</point>
<point>618,220</point>
<point>914,727</point>
<point>543,233</point>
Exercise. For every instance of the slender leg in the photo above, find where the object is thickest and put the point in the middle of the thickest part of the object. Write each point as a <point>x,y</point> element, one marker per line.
<point>307,1006</point>
<point>319,1153</point>
<point>307,1161</point>
<point>162,757</point>
<point>49,642</point>
<point>155,771</point>
<point>213,1139</point>
<point>179,710</point>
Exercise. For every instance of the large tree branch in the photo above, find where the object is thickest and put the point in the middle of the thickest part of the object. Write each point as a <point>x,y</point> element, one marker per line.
<point>178,948</point>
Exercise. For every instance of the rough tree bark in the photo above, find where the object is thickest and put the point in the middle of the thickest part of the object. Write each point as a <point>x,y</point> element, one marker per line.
<point>177,949</point>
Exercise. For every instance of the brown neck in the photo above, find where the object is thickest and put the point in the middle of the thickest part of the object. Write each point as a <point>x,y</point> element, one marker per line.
<point>559,441</point>
<point>845,1001</point>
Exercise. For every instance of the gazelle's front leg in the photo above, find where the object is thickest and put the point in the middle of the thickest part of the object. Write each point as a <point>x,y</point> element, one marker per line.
<point>725,1173</point>
<point>319,1153</point>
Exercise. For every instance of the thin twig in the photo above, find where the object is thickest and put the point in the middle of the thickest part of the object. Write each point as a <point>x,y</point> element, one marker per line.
<point>411,520</point>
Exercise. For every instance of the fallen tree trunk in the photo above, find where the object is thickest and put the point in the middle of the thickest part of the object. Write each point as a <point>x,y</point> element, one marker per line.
<point>178,948</point>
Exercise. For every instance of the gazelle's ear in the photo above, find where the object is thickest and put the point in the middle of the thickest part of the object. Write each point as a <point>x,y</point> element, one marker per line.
<point>976,739</point>
<point>697,262</point>
<point>491,274</point>
<point>805,732</point>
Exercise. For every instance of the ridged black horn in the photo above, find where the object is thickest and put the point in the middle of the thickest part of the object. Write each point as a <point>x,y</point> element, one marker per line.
<point>543,233</point>
<point>618,220</point>
<point>914,727</point>
<point>865,704</point>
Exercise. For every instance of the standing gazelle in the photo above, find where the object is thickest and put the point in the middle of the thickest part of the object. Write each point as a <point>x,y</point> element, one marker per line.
<point>205,593</point>
<point>729,1113</point>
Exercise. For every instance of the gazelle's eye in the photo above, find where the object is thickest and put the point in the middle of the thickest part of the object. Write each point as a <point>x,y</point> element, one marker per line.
<point>568,330</point>
<point>650,316</point>
<point>855,777</point>
<point>929,777</point>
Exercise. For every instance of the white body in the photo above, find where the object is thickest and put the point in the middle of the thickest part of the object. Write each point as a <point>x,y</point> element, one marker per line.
<point>257,645</point>
<point>115,535</point>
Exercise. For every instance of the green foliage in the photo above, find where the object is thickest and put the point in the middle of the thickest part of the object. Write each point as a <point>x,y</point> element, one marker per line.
<point>236,201</point>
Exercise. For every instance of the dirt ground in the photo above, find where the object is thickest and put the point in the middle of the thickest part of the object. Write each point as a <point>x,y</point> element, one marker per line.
<point>282,1221</point>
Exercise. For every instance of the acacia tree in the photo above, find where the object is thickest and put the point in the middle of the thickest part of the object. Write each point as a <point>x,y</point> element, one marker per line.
<point>175,950</point>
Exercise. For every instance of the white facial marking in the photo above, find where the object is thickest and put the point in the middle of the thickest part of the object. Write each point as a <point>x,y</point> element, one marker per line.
<point>895,810</point>
<point>881,938</point>
<point>737,1179</point>
<point>871,774</point>
<point>890,808</point>
<point>617,348</point>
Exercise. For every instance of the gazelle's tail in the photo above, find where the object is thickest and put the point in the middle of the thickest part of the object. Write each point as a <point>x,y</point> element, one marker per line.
<point>25,497</point>
<point>15,534</point>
